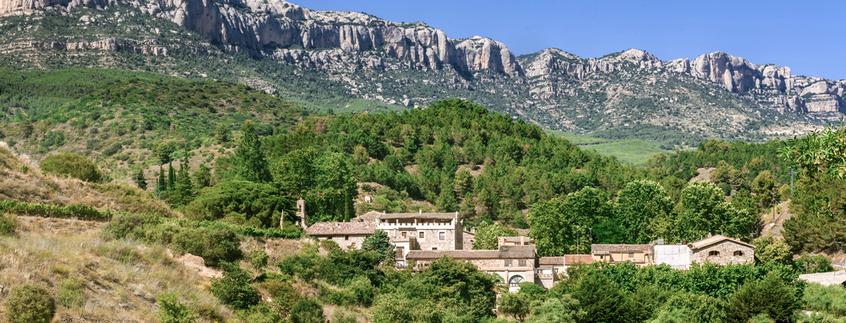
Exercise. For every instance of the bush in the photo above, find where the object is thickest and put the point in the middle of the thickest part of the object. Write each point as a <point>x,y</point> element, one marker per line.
<point>73,211</point>
<point>307,310</point>
<point>30,304</point>
<point>344,316</point>
<point>771,296</point>
<point>515,305</point>
<point>215,243</point>
<point>72,293</point>
<point>809,264</point>
<point>284,296</point>
<point>234,288</point>
<point>261,314</point>
<point>172,311</point>
<point>259,259</point>
<point>130,226</point>
<point>830,299</point>
<point>8,224</point>
<point>71,165</point>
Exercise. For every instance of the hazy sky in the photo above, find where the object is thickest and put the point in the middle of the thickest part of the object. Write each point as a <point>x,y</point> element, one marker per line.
<point>806,35</point>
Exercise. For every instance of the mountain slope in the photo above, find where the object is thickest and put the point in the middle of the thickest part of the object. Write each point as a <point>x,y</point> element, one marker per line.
<point>332,59</point>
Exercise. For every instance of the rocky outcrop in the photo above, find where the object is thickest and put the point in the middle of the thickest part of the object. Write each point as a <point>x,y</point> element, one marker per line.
<point>262,27</point>
<point>769,84</point>
<point>738,75</point>
<point>18,7</point>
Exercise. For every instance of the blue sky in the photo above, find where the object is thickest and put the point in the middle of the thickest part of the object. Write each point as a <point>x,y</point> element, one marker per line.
<point>806,35</point>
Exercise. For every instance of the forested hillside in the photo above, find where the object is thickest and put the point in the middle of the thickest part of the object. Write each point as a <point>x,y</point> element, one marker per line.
<point>219,165</point>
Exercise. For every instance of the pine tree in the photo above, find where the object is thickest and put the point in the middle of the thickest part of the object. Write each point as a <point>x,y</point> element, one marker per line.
<point>161,185</point>
<point>183,190</point>
<point>202,177</point>
<point>140,180</point>
<point>250,162</point>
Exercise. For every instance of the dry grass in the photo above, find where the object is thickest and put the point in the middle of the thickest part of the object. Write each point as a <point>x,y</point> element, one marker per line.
<point>24,182</point>
<point>121,278</point>
<point>276,249</point>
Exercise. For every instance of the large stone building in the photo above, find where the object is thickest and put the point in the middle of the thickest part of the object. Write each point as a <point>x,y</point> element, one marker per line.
<point>513,264</point>
<point>422,231</point>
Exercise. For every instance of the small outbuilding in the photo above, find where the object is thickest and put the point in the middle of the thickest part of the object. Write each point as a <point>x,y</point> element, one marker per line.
<point>721,250</point>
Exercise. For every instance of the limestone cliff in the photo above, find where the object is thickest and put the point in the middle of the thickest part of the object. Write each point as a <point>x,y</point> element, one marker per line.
<point>411,64</point>
<point>262,27</point>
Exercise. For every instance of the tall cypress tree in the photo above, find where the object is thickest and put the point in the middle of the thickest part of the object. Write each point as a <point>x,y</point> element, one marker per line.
<point>250,162</point>
<point>171,176</point>
<point>161,185</point>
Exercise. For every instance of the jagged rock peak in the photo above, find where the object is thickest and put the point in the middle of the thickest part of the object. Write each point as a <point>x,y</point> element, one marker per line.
<point>558,54</point>
<point>638,55</point>
<point>485,54</point>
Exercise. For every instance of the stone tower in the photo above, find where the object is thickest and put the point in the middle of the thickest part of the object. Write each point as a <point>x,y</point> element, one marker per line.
<point>301,213</point>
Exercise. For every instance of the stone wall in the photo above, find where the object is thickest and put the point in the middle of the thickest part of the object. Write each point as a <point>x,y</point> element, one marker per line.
<point>724,253</point>
<point>347,242</point>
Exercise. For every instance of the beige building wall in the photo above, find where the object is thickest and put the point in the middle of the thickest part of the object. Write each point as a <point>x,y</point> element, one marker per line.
<point>724,253</point>
<point>616,257</point>
<point>430,235</point>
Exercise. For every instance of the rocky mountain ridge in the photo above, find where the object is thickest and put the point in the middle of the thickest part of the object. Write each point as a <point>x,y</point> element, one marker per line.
<point>411,64</point>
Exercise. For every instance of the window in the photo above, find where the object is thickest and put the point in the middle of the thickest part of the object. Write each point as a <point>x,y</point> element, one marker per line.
<point>442,236</point>
<point>507,262</point>
<point>404,234</point>
<point>521,262</point>
<point>631,255</point>
<point>346,237</point>
<point>515,280</point>
<point>421,234</point>
<point>713,253</point>
<point>738,253</point>
<point>434,248</point>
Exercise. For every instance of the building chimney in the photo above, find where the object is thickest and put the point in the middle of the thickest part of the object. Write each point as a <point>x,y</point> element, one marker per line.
<point>301,213</point>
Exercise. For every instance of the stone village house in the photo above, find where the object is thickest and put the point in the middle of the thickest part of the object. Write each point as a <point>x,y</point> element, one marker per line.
<point>421,238</point>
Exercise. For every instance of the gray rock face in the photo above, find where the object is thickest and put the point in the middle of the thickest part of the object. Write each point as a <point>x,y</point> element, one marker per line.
<point>262,26</point>
<point>738,75</point>
<point>345,43</point>
<point>771,83</point>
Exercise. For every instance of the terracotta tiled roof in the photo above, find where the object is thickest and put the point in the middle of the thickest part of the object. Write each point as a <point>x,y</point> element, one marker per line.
<point>506,252</point>
<point>372,216</point>
<point>714,240</point>
<point>341,228</point>
<point>568,260</point>
<point>578,259</point>
<point>438,216</point>
<point>553,261</point>
<point>609,248</point>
